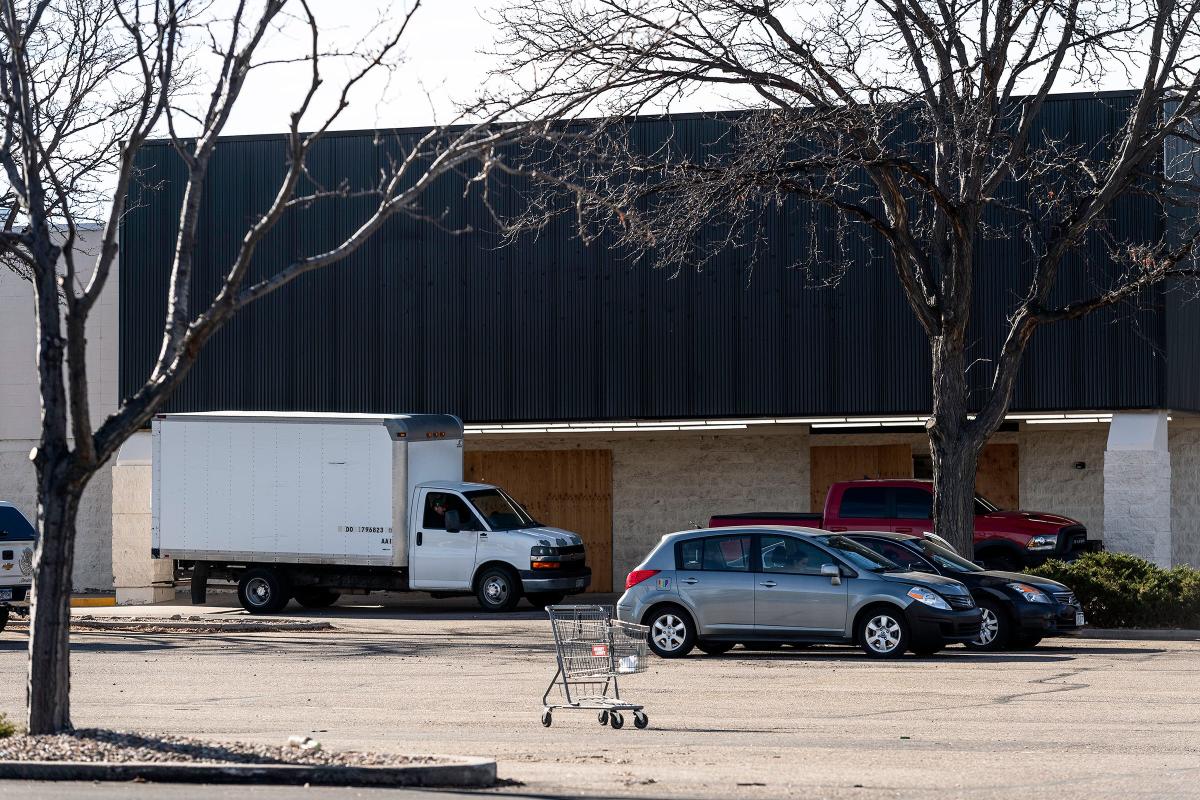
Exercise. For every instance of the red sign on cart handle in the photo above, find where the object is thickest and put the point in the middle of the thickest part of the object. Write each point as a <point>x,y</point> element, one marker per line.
<point>600,650</point>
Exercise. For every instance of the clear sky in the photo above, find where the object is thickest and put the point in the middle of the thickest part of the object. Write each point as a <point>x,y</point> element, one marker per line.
<point>443,64</point>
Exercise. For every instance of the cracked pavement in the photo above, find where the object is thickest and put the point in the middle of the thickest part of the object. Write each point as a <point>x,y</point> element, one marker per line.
<point>1084,718</point>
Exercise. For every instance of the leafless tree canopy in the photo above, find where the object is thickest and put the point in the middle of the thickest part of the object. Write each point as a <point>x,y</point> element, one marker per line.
<point>914,123</point>
<point>84,85</point>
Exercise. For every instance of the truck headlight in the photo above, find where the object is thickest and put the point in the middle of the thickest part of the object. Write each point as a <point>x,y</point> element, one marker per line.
<point>929,598</point>
<point>1043,542</point>
<point>1030,593</point>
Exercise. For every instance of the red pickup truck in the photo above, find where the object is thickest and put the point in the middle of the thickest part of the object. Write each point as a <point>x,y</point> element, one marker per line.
<point>1004,540</point>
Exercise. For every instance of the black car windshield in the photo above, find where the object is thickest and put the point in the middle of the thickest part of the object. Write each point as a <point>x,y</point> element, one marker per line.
<point>858,555</point>
<point>500,511</point>
<point>946,559</point>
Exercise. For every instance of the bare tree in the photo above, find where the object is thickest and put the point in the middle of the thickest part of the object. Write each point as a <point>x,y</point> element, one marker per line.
<point>915,124</point>
<point>84,85</point>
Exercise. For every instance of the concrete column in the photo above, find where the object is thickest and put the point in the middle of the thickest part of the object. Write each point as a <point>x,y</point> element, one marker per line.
<point>137,577</point>
<point>1137,487</point>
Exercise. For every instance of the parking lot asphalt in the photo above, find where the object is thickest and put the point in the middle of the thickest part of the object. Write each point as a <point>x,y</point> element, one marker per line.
<point>1078,718</point>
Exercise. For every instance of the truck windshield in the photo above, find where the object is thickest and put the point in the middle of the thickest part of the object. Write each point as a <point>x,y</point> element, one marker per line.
<point>858,555</point>
<point>984,506</point>
<point>500,511</point>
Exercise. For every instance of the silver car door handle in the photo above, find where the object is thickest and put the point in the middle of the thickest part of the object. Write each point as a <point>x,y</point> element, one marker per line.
<point>690,581</point>
<point>768,584</point>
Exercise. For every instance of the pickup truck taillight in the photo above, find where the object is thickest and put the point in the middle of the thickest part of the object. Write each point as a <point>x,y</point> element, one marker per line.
<point>639,575</point>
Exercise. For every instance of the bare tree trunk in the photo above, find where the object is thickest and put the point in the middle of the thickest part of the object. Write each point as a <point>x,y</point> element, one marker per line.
<point>48,686</point>
<point>953,446</point>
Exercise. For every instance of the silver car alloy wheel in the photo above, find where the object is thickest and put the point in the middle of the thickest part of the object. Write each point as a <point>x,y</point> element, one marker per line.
<point>258,591</point>
<point>882,633</point>
<point>668,632</point>
<point>496,589</point>
<point>988,628</point>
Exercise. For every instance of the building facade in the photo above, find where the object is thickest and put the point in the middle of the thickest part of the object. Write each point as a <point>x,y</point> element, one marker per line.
<point>626,402</point>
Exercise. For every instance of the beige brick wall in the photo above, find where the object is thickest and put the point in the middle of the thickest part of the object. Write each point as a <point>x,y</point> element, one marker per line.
<point>673,481</point>
<point>1049,480</point>
<point>1183,440</point>
<point>20,416</point>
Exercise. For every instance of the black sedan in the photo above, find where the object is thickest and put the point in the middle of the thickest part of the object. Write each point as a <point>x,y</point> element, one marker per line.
<point>1018,609</point>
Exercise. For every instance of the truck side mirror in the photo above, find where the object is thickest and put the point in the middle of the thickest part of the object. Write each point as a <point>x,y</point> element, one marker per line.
<point>453,523</point>
<point>832,572</point>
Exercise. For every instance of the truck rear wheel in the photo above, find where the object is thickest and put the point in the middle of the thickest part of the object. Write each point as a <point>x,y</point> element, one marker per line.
<point>498,589</point>
<point>262,591</point>
<point>316,597</point>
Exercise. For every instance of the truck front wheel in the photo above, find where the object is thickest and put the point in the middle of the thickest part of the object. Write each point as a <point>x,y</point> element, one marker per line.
<point>498,589</point>
<point>262,591</point>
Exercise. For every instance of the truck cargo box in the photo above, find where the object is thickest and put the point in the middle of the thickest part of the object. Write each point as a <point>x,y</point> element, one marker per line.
<point>295,487</point>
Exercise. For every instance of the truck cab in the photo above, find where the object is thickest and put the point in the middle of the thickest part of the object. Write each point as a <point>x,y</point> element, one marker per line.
<point>475,538</point>
<point>18,538</point>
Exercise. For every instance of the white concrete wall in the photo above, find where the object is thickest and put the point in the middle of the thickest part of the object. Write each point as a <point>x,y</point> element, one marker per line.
<point>664,482</point>
<point>1049,480</point>
<point>20,414</point>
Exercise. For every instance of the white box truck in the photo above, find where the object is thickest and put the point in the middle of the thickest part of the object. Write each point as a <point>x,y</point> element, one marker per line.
<point>311,506</point>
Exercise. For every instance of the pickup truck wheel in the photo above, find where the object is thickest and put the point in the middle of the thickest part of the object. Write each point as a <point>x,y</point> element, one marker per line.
<point>995,628</point>
<point>498,590</point>
<point>316,598</point>
<point>883,632</point>
<point>672,632</point>
<point>262,591</point>
<point>540,600</point>
<point>3,617</point>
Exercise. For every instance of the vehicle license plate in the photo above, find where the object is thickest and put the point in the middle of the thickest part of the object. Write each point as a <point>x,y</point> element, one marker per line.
<point>1078,617</point>
<point>5,594</point>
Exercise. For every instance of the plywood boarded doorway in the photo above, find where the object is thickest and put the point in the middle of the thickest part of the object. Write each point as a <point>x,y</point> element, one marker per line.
<point>569,489</point>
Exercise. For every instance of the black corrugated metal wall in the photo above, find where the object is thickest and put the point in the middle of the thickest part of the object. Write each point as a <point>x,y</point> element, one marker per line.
<point>547,329</point>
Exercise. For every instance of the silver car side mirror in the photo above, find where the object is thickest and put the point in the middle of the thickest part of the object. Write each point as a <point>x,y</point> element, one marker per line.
<point>833,573</point>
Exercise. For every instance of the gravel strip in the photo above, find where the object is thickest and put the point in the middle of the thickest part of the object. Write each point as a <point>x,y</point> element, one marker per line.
<point>96,745</point>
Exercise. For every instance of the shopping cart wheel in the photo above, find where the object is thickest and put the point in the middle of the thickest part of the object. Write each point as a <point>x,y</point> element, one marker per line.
<point>616,720</point>
<point>640,720</point>
<point>602,717</point>
<point>547,718</point>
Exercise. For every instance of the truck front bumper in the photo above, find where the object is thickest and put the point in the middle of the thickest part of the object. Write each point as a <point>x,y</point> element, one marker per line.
<point>577,580</point>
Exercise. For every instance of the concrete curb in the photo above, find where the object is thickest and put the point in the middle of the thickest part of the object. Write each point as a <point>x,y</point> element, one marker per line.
<point>168,626</point>
<point>451,771</point>
<point>1142,634</point>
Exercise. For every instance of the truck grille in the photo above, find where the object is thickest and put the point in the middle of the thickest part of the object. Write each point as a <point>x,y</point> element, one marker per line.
<point>1072,538</point>
<point>1067,598</point>
<point>959,602</point>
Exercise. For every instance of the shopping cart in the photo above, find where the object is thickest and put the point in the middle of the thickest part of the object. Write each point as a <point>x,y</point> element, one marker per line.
<point>593,651</point>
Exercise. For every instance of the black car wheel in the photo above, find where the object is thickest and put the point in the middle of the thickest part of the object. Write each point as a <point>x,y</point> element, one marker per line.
<point>995,628</point>
<point>713,648</point>
<point>883,632</point>
<point>672,632</point>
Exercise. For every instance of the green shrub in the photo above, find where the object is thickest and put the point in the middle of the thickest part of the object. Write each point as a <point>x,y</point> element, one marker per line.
<point>1118,590</point>
<point>7,728</point>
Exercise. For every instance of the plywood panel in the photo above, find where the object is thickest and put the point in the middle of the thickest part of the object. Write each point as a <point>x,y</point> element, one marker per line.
<point>569,489</point>
<point>855,462</point>
<point>998,476</point>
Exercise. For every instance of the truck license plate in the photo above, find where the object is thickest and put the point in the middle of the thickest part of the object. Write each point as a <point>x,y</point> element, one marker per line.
<point>1079,618</point>
<point>5,594</point>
